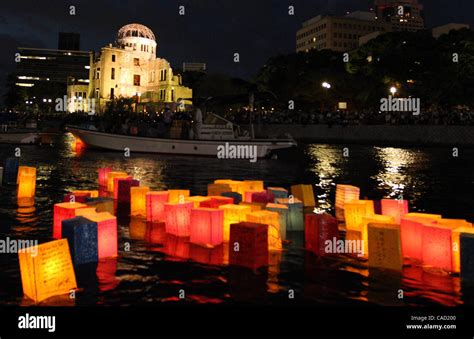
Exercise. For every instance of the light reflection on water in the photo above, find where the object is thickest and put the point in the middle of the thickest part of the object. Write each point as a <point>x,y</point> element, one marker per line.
<point>158,265</point>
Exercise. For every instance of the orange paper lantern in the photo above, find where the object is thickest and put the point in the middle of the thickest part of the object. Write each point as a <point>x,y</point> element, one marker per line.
<point>196,200</point>
<point>305,194</point>
<point>22,170</point>
<point>254,206</point>
<point>177,196</point>
<point>63,211</point>
<point>207,256</point>
<point>253,185</point>
<point>138,200</point>
<point>235,186</point>
<point>345,193</point>
<point>110,179</point>
<point>206,226</point>
<point>217,189</point>
<point>178,218</point>
<point>137,228</point>
<point>271,219</point>
<point>394,208</point>
<point>155,206</point>
<point>47,270</point>
<point>233,214</point>
<point>355,210</point>
<point>27,185</point>
<point>92,193</point>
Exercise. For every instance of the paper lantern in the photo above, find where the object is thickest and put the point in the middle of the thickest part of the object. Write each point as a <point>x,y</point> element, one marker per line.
<point>320,228</point>
<point>237,197</point>
<point>456,235</point>
<point>278,192</point>
<point>375,219</point>
<point>177,196</point>
<point>81,235</point>
<point>155,232</point>
<point>207,226</point>
<point>254,206</point>
<point>282,211</point>
<point>110,179</point>
<point>178,218</point>
<point>92,193</point>
<point>355,210</point>
<point>233,214</point>
<point>247,197</point>
<point>218,189</point>
<point>263,197</point>
<point>80,212</point>
<point>248,245</point>
<point>137,228</point>
<point>454,223</point>
<point>63,211</point>
<point>47,270</point>
<point>394,208</point>
<point>196,200</point>
<point>253,185</point>
<point>177,247</point>
<point>235,186</point>
<point>467,256</point>
<point>305,194</point>
<point>427,216</point>
<point>411,228</point>
<point>10,171</point>
<point>295,213</point>
<point>138,200</point>
<point>272,219</point>
<point>216,201</point>
<point>155,205</point>
<point>104,175</point>
<point>345,193</point>
<point>22,170</point>
<point>27,186</point>
<point>385,249</point>
<point>101,204</point>
<point>122,189</point>
<point>437,246</point>
<point>206,255</point>
<point>106,234</point>
<point>76,197</point>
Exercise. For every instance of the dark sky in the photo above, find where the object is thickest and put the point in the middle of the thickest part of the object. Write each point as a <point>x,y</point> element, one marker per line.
<point>211,31</point>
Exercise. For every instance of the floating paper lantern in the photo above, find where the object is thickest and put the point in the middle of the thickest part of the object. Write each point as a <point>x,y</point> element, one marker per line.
<point>92,193</point>
<point>248,245</point>
<point>233,214</point>
<point>206,255</point>
<point>218,189</point>
<point>207,226</point>
<point>81,235</point>
<point>104,175</point>
<point>10,171</point>
<point>106,234</point>
<point>47,270</point>
<point>345,193</point>
<point>295,213</point>
<point>282,211</point>
<point>305,194</point>
<point>176,246</point>
<point>253,185</point>
<point>411,228</point>
<point>235,186</point>
<point>254,206</point>
<point>320,228</point>
<point>22,170</point>
<point>76,197</point>
<point>467,256</point>
<point>272,219</point>
<point>385,249</point>
<point>437,246</point>
<point>27,185</point>
<point>196,200</point>
<point>456,235</point>
<point>138,200</point>
<point>101,204</point>
<point>122,189</point>
<point>178,218</point>
<point>110,179</point>
<point>63,211</point>
<point>155,205</point>
<point>375,219</point>
<point>355,210</point>
<point>454,223</point>
<point>278,192</point>
<point>177,196</point>
<point>394,208</point>
<point>216,201</point>
<point>263,197</point>
<point>80,212</point>
<point>237,197</point>
<point>155,232</point>
<point>427,216</point>
<point>247,197</point>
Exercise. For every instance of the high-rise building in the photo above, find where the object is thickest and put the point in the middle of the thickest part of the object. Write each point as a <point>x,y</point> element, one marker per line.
<point>402,15</point>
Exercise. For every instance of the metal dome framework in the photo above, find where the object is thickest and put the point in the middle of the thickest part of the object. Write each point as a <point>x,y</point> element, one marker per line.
<point>135,30</point>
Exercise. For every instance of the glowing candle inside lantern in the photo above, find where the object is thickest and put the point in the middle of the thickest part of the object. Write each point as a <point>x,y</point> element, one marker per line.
<point>344,194</point>
<point>178,218</point>
<point>104,175</point>
<point>394,208</point>
<point>63,211</point>
<point>155,205</point>
<point>206,226</point>
<point>22,170</point>
<point>233,214</point>
<point>110,179</point>
<point>177,196</point>
<point>27,186</point>
<point>305,194</point>
<point>271,219</point>
<point>138,200</point>
<point>355,210</point>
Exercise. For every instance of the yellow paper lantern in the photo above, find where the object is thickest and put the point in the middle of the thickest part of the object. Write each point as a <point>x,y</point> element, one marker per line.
<point>272,219</point>
<point>27,185</point>
<point>47,270</point>
<point>177,196</point>
<point>253,185</point>
<point>305,194</point>
<point>235,186</point>
<point>196,200</point>
<point>233,214</point>
<point>355,210</point>
<point>345,193</point>
<point>22,170</point>
<point>110,179</point>
<point>374,219</point>
<point>82,212</point>
<point>426,216</point>
<point>385,249</point>
<point>457,246</point>
<point>138,200</point>
<point>93,193</point>
<point>254,206</point>
<point>454,223</point>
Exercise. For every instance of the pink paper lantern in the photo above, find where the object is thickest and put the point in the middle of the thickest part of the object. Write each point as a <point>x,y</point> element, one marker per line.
<point>437,246</point>
<point>106,233</point>
<point>394,208</point>
<point>63,211</point>
<point>411,233</point>
<point>207,226</point>
<point>178,218</point>
<point>155,206</point>
<point>104,176</point>
<point>216,201</point>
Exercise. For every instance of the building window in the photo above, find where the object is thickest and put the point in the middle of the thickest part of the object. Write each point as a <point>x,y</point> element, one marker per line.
<point>172,95</point>
<point>134,46</point>
<point>112,74</point>
<point>136,80</point>
<point>98,73</point>
<point>163,75</point>
<point>111,94</point>
<point>136,62</point>
<point>113,57</point>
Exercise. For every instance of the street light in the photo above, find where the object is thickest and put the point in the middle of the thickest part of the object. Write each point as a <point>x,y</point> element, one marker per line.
<point>326,85</point>
<point>393,90</point>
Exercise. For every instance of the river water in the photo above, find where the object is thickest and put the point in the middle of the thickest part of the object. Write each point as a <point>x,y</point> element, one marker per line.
<point>157,267</point>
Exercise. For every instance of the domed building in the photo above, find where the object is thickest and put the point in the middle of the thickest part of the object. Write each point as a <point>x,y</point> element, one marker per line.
<point>131,69</point>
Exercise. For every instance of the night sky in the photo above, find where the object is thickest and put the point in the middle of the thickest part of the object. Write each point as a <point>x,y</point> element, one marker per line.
<point>211,31</point>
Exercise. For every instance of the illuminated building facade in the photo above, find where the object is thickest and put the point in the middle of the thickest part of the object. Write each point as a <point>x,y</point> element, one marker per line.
<point>402,15</point>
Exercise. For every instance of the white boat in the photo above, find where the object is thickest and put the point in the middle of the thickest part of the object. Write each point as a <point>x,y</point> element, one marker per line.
<point>216,140</point>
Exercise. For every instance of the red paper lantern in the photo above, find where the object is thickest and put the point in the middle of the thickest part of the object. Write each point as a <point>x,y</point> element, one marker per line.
<point>155,232</point>
<point>262,197</point>
<point>77,197</point>
<point>104,176</point>
<point>248,245</point>
<point>155,206</point>
<point>178,218</point>
<point>437,246</point>
<point>394,208</point>
<point>411,232</point>
<point>106,233</point>
<point>110,179</point>
<point>215,202</point>
<point>116,185</point>
<point>320,228</point>
<point>123,188</point>
<point>63,211</point>
<point>207,226</point>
